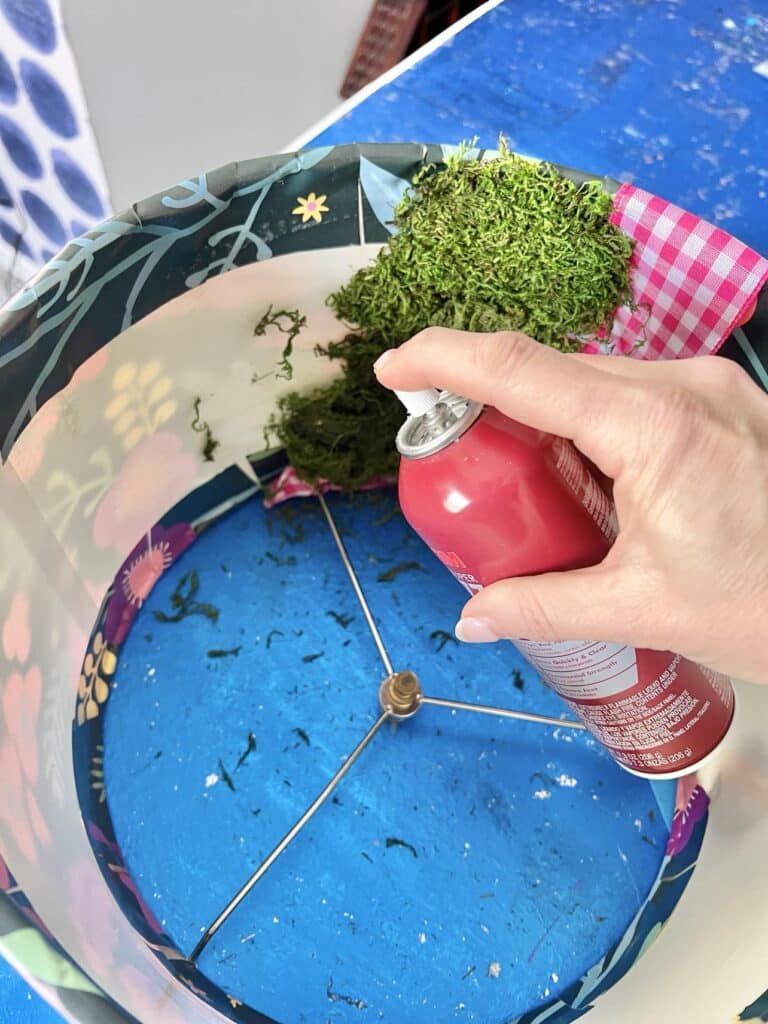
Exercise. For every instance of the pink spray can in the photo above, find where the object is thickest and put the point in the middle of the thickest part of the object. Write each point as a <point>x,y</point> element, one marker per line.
<point>495,499</point>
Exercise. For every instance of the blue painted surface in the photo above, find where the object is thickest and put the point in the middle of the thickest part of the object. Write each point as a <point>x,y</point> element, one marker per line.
<point>659,93</point>
<point>527,846</point>
<point>19,1004</point>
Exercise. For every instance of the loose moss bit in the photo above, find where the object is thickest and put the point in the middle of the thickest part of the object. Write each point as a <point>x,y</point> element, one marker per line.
<point>287,321</point>
<point>272,634</point>
<point>391,841</point>
<point>340,618</point>
<point>221,652</point>
<point>246,754</point>
<point>210,444</point>
<point>503,244</point>
<point>226,778</point>
<point>442,638</point>
<point>394,572</point>
<point>336,997</point>
<point>391,514</point>
<point>281,562</point>
<point>303,736</point>
<point>183,601</point>
<point>292,516</point>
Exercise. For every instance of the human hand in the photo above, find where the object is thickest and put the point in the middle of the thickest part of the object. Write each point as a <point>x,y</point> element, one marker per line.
<point>686,445</point>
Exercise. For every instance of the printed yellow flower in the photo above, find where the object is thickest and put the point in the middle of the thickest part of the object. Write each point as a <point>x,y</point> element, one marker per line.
<point>140,403</point>
<point>96,676</point>
<point>311,208</point>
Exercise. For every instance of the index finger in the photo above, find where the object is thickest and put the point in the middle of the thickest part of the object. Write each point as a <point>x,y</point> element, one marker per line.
<point>527,381</point>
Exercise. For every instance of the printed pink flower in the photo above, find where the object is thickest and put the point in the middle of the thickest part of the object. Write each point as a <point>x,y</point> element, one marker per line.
<point>121,872</point>
<point>21,708</point>
<point>37,921</point>
<point>19,809</point>
<point>91,368</point>
<point>7,883</point>
<point>6,878</point>
<point>28,454</point>
<point>16,636</point>
<point>130,885</point>
<point>691,803</point>
<point>140,572</point>
<point>145,999</point>
<point>93,908</point>
<point>155,475</point>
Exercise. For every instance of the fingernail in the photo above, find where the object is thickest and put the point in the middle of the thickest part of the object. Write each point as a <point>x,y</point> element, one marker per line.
<point>476,631</point>
<point>383,358</point>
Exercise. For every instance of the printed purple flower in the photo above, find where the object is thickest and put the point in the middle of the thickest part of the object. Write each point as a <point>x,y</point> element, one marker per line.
<point>98,837</point>
<point>690,807</point>
<point>130,885</point>
<point>139,573</point>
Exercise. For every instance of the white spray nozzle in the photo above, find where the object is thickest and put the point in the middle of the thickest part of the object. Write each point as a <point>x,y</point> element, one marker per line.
<point>419,402</point>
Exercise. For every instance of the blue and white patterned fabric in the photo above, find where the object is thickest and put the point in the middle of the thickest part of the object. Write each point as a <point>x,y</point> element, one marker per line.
<point>52,184</point>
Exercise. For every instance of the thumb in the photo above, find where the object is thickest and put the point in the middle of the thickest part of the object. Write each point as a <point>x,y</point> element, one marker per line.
<point>597,603</point>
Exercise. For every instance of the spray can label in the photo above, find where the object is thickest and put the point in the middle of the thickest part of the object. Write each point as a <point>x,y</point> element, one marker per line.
<point>577,478</point>
<point>657,713</point>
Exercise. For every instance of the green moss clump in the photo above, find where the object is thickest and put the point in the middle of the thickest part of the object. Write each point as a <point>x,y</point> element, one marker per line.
<point>503,244</point>
<point>343,432</point>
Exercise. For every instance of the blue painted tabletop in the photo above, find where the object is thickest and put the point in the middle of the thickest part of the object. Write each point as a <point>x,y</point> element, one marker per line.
<point>662,93</point>
<point>19,1004</point>
<point>659,92</point>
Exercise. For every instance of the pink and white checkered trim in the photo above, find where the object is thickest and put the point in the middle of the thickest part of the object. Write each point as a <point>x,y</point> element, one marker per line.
<point>693,282</point>
<point>290,485</point>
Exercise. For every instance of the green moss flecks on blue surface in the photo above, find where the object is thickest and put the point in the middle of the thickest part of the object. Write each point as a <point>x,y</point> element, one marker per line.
<point>468,868</point>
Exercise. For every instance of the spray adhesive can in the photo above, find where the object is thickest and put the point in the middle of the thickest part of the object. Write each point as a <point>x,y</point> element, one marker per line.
<point>495,499</point>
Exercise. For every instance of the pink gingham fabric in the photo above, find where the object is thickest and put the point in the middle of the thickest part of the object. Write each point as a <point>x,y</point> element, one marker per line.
<point>692,282</point>
<point>290,485</point>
